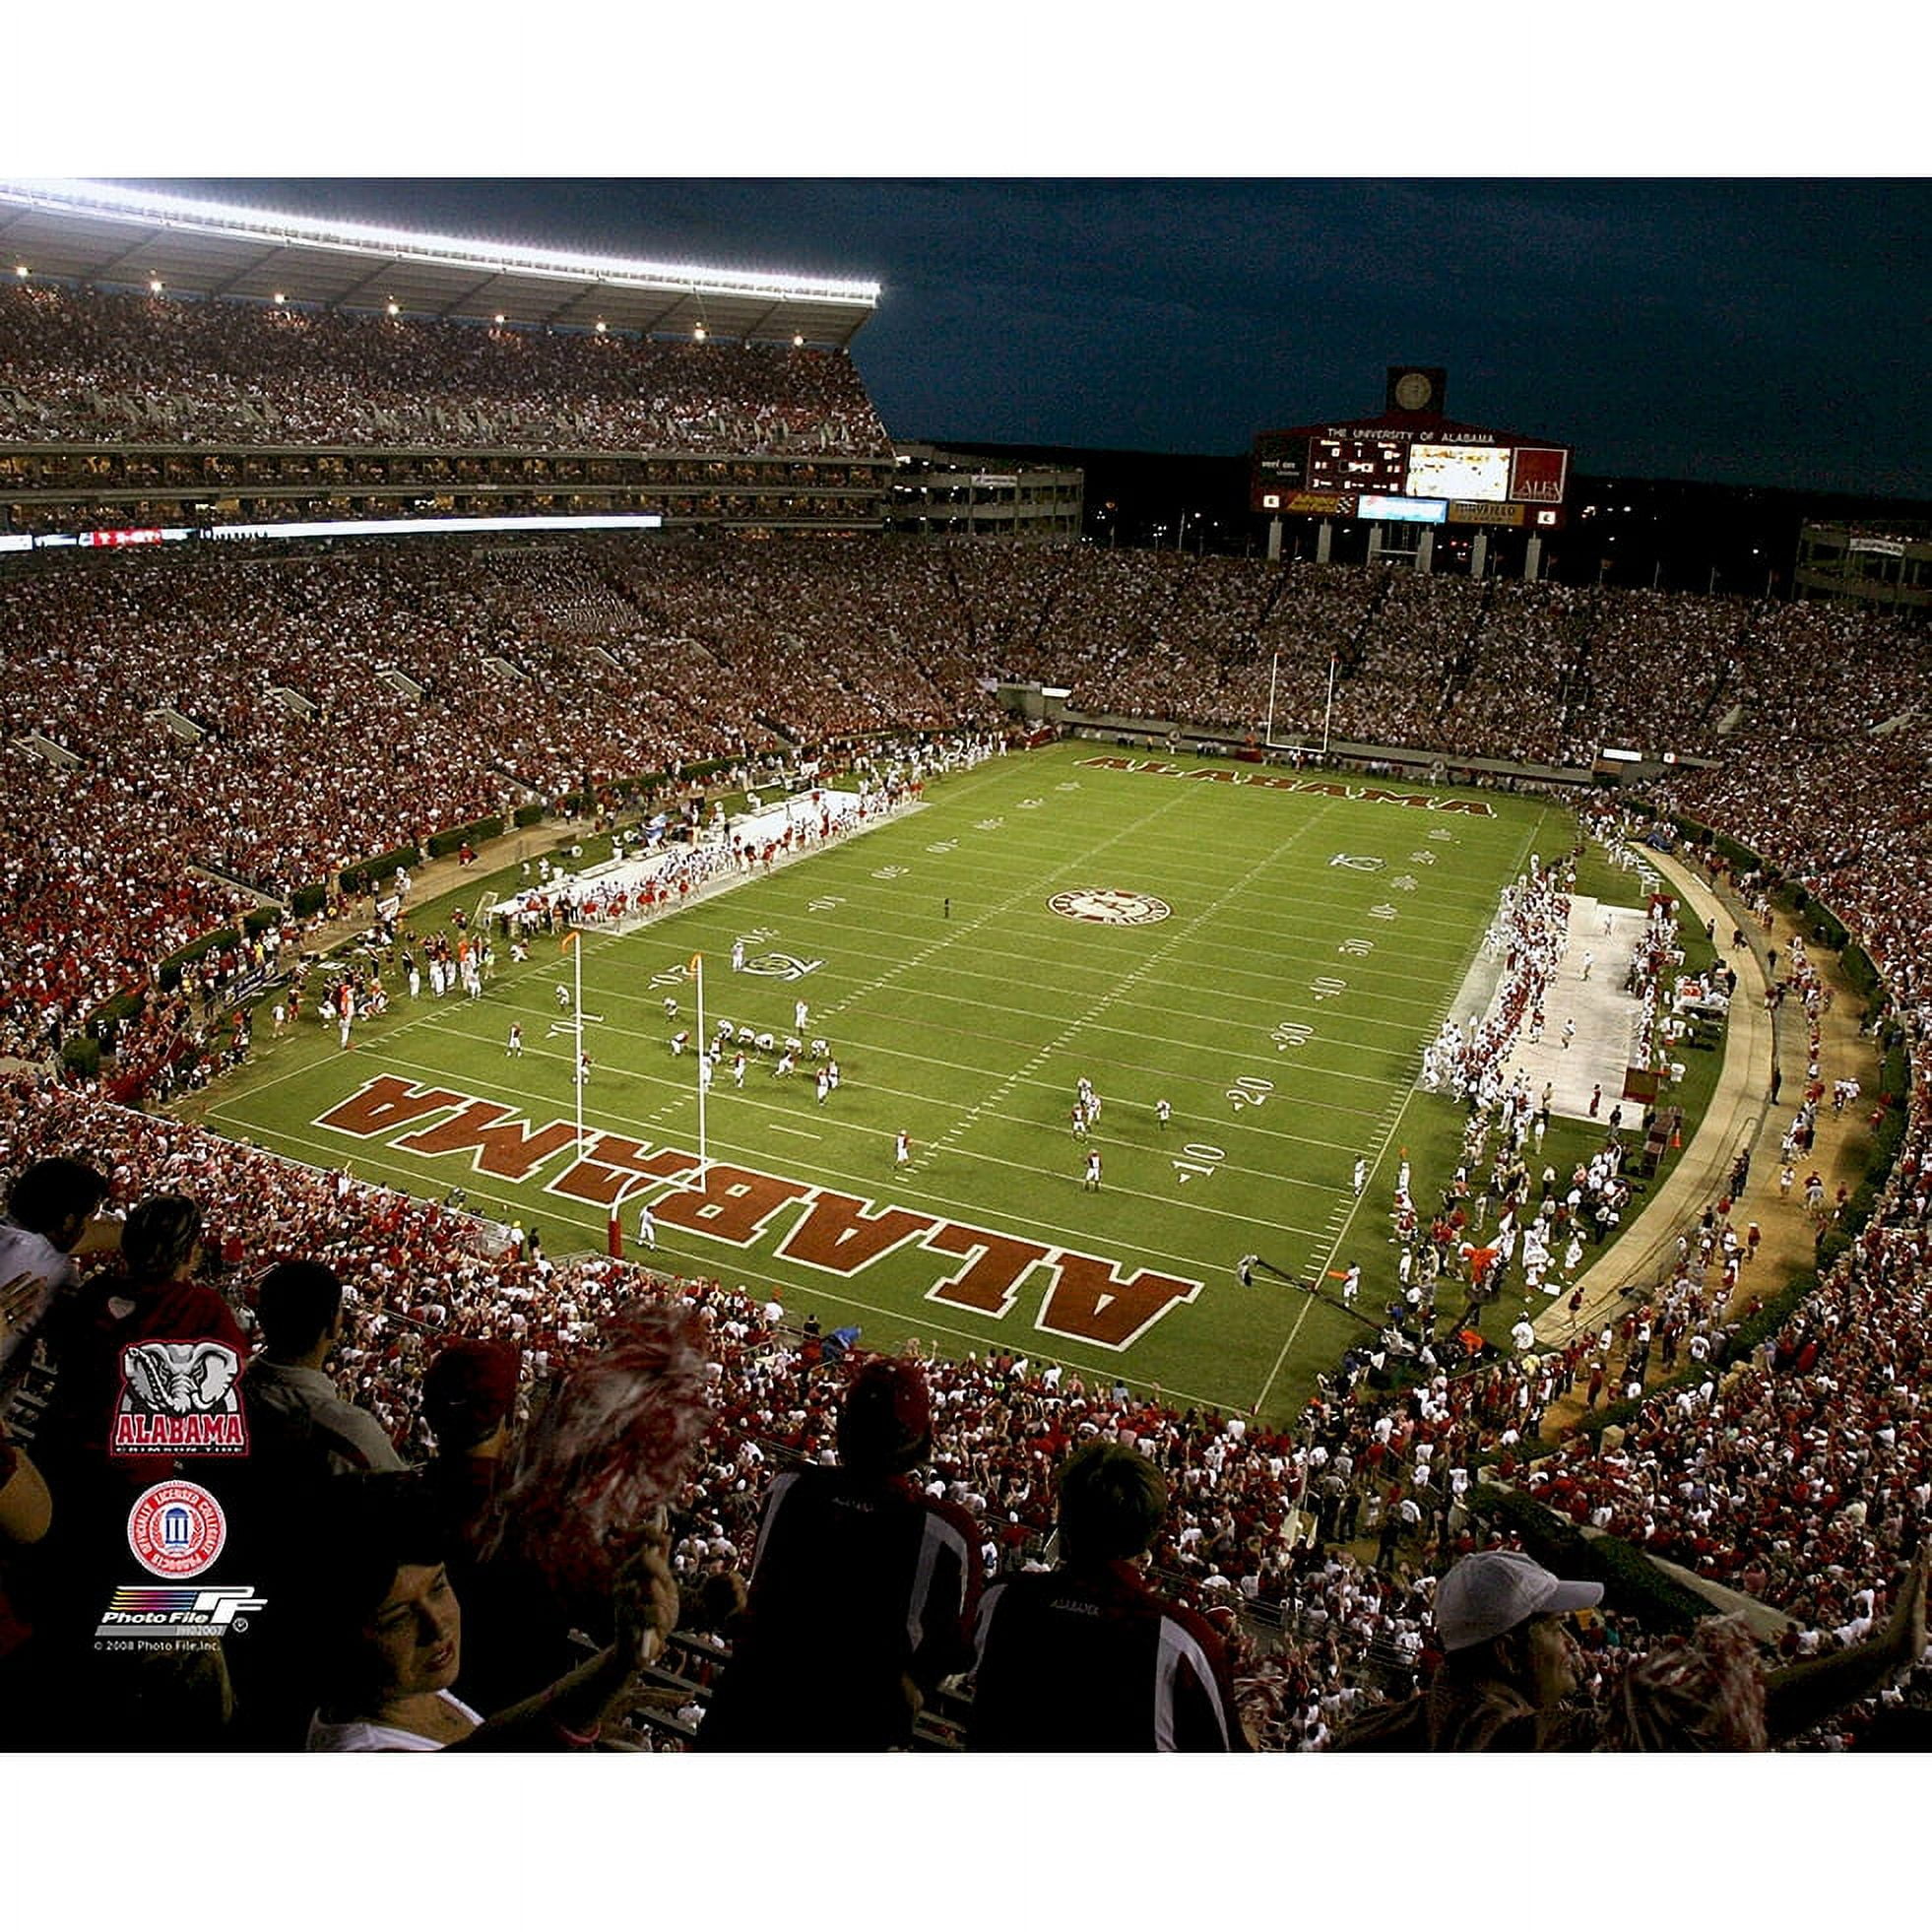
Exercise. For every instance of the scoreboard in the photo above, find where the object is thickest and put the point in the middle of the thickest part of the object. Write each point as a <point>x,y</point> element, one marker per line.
<point>1342,461</point>
<point>1410,466</point>
<point>1348,471</point>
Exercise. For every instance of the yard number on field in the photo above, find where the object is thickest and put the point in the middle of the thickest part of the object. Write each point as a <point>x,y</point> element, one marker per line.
<point>1202,1159</point>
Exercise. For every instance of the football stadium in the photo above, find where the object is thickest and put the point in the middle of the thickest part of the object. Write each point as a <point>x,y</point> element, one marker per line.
<point>649,1105</point>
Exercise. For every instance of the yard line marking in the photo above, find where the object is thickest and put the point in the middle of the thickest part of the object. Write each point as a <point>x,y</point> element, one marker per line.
<point>1354,1205</point>
<point>1250,987</point>
<point>751,1154</point>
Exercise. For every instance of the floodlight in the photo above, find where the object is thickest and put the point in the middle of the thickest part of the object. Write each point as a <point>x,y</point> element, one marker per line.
<point>227,220</point>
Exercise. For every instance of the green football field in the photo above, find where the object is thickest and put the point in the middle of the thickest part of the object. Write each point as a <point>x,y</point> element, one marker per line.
<point>1268,957</point>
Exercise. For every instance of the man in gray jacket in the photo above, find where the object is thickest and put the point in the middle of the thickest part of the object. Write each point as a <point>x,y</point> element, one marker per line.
<point>294,1405</point>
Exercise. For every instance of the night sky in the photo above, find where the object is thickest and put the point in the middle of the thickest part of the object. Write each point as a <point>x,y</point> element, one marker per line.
<point>1693,247</point>
<point>1763,332</point>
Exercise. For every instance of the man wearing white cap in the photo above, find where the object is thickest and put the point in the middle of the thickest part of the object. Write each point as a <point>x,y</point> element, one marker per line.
<point>1499,1616</point>
<point>1510,1664</point>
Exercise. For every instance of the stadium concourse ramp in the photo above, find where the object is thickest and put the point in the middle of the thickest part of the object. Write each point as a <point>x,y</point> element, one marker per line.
<point>1738,1116</point>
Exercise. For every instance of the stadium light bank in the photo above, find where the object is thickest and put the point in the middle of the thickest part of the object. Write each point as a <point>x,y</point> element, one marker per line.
<point>294,230</point>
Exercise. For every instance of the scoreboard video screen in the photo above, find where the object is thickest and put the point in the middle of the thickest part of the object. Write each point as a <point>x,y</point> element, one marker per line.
<point>1458,473</point>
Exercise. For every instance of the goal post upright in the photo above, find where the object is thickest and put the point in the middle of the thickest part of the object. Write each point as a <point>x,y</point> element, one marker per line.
<point>702,1060</point>
<point>577,1014</point>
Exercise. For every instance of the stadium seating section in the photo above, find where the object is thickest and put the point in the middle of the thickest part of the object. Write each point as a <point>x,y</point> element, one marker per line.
<point>185,730</point>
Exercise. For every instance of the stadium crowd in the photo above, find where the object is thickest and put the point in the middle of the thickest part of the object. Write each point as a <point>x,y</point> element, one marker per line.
<point>1809,1494</point>
<point>178,727</point>
<point>80,365</point>
<point>192,736</point>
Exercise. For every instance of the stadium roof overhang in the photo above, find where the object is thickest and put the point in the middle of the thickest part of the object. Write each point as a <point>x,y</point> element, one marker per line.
<point>114,238</point>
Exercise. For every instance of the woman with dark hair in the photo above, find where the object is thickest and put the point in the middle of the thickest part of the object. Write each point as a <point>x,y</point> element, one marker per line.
<point>385,1634</point>
<point>577,1521</point>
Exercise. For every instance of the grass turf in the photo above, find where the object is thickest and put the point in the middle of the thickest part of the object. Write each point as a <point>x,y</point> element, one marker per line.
<point>1312,942</point>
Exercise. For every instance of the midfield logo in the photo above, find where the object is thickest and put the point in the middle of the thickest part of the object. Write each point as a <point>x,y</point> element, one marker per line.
<point>1108,906</point>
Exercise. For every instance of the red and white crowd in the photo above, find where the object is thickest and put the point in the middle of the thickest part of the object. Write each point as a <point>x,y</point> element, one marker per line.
<point>99,367</point>
<point>215,726</point>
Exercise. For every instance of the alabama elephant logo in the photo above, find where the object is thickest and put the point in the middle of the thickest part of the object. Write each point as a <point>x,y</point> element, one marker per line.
<point>179,1395</point>
<point>1109,906</point>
